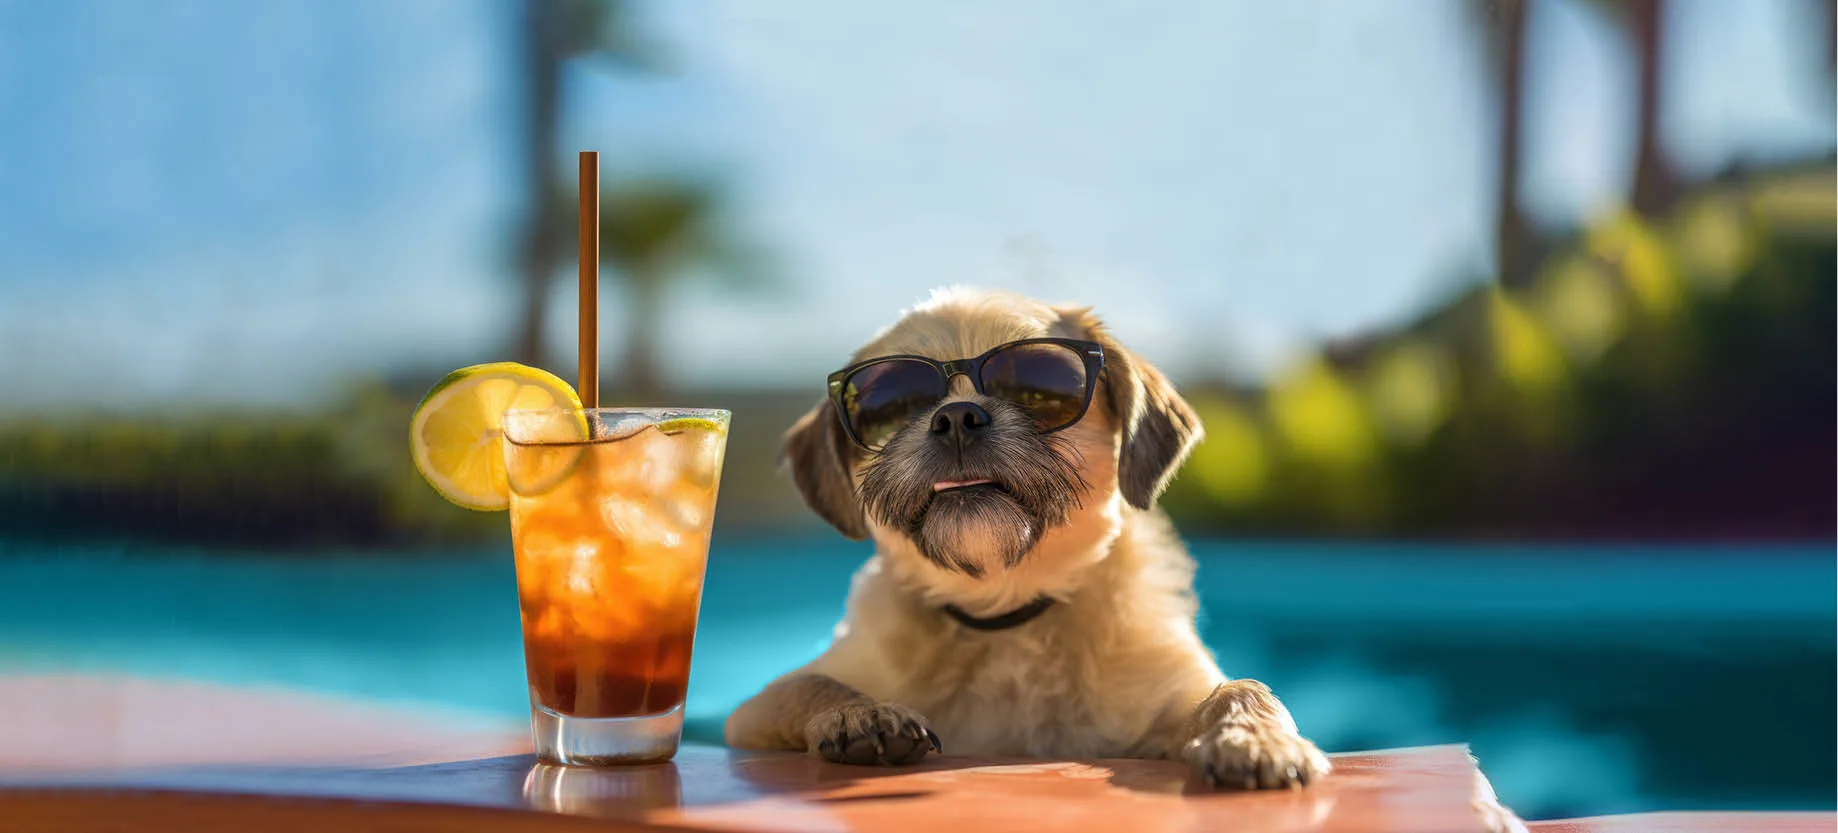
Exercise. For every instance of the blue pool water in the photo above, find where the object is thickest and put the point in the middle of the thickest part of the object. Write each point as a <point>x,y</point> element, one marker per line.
<point>1588,680</point>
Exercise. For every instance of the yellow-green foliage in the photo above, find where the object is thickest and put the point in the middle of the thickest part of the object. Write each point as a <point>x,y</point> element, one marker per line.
<point>1509,408</point>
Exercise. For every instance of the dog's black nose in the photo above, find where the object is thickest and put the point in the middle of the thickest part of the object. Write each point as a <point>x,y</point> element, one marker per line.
<point>960,423</point>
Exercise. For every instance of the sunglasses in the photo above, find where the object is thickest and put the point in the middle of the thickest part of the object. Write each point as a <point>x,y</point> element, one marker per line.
<point>1050,378</point>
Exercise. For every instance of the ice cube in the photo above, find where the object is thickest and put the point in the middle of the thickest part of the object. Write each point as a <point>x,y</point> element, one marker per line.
<point>540,553</point>
<point>702,453</point>
<point>585,565</point>
<point>638,523</point>
<point>542,620</point>
<point>644,463</point>
<point>686,506</point>
<point>613,427</point>
<point>607,619</point>
<point>656,582</point>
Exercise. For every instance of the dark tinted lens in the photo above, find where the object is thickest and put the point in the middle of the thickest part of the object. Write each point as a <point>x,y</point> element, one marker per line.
<point>1047,379</point>
<point>881,398</point>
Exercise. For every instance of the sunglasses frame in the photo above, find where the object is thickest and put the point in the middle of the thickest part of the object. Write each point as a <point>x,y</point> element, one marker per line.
<point>1091,352</point>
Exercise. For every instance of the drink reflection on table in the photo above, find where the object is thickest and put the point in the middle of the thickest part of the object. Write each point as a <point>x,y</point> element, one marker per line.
<point>627,792</point>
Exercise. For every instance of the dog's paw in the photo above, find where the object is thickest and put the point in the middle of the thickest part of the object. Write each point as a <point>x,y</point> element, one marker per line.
<point>1249,756</point>
<point>869,734</point>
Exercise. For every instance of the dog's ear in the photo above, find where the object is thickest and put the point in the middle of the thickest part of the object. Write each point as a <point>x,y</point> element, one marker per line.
<point>1159,428</point>
<point>818,454</point>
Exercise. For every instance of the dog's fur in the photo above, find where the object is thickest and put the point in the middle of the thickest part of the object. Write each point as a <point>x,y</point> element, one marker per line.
<point>1114,669</point>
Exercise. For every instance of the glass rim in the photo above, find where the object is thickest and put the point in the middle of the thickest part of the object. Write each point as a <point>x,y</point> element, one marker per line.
<point>655,413</point>
<point>536,426</point>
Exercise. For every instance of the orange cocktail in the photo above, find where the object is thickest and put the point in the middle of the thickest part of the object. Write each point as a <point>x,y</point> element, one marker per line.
<point>610,518</point>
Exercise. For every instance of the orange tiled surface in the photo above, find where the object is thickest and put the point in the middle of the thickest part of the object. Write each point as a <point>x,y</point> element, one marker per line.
<point>108,755</point>
<point>708,788</point>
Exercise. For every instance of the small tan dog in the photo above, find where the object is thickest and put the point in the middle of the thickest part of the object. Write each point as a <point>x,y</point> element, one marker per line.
<point>1026,598</point>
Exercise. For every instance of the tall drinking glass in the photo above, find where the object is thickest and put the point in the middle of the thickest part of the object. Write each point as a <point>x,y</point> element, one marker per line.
<point>610,516</point>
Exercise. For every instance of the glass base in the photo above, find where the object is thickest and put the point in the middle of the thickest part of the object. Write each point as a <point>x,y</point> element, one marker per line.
<point>622,793</point>
<point>605,741</point>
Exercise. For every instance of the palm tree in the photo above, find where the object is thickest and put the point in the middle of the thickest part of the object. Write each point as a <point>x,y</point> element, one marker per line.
<point>651,231</point>
<point>1828,22</point>
<point>553,32</point>
<point>1502,24</point>
<point>1655,183</point>
<point>542,61</point>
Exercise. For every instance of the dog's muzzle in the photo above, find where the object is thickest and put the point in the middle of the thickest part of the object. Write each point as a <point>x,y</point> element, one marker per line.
<point>974,484</point>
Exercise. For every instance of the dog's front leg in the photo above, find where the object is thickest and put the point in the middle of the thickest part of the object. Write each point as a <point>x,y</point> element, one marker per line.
<point>1241,737</point>
<point>813,713</point>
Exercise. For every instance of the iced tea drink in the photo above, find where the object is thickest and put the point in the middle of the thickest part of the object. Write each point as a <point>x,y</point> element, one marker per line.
<point>610,518</point>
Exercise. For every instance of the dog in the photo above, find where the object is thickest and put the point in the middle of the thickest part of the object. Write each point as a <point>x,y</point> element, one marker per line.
<point>1026,596</point>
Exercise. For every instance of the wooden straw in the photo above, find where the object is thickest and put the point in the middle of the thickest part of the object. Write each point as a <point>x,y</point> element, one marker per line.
<point>589,349</point>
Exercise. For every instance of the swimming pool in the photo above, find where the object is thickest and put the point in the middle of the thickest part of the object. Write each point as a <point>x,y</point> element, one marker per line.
<point>1584,677</point>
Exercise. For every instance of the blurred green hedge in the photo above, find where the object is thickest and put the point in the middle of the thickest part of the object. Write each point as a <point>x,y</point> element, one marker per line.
<point>338,476</point>
<point>1660,377</point>
<point>1669,377</point>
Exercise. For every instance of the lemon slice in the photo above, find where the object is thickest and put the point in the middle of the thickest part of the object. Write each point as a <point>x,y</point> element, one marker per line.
<point>456,435</point>
<point>688,423</point>
<point>545,447</point>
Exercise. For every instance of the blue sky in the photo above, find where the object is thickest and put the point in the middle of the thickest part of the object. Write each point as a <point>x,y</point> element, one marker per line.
<point>246,202</point>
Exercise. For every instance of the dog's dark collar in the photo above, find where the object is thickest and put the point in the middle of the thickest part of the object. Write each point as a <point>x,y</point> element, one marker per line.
<point>1012,619</point>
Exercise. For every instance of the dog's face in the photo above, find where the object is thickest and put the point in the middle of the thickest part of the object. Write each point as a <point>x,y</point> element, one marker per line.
<point>972,486</point>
